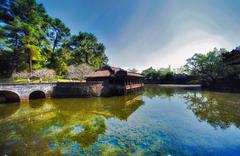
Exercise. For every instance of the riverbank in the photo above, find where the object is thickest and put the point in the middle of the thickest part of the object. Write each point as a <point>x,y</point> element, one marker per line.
<point>224,86</point>
<point>38,80</point>
<point>179,85</point>
<point>220,86</point>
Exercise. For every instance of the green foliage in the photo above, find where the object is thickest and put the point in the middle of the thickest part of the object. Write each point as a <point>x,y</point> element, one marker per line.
<point>162,73</point>
<point>22,26</point>
<point>151,73</point>
<point>31,40</point>
<point>208,67</point>
<point>86,49</point>
<point>58,33</point>
<point>59,61</point>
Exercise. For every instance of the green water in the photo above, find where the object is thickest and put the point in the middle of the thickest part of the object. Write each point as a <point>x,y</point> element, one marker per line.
<point>158,121</point>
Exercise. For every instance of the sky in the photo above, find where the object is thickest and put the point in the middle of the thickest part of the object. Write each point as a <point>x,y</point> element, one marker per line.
<point>143,33</point>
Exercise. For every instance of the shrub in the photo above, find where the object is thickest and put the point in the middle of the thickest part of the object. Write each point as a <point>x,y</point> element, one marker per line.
<point>20,75</point>
<point>45,74</point>
<point>78,72</point>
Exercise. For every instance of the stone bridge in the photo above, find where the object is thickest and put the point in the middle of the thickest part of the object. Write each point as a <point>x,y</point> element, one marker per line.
<point>25,91</point>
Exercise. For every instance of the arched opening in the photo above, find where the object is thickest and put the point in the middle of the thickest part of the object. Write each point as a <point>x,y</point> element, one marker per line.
<point>8,96</point>
<point>37,95</point>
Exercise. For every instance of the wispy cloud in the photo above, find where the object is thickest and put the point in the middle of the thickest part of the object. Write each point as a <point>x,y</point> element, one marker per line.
<point>168,33</point>
<point>139,33</point>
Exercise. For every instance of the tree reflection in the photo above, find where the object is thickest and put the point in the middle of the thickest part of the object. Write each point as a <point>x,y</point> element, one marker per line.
<point>36,103</point>
<point>166,91</point>
<point>152,91</point>
<point>58,126</point>
<point>218,109</point>
<point>120,107</point>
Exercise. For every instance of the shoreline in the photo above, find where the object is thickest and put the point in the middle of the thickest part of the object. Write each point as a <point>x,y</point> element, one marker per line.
<point>226,89</point>
<point>175,85</point>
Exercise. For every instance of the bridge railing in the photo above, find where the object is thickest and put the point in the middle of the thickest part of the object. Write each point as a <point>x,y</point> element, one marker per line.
<point>20,84</point>
<point>51,83</point>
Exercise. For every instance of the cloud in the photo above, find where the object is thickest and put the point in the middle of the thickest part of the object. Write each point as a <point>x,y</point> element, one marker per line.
<point>168,34</point>
<point>139,33</point>
<point>184,45</point>
<point>181,46</point>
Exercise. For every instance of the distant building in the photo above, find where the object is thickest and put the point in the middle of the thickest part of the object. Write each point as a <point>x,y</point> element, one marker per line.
<point>232,59</point>
<point>117,81</point>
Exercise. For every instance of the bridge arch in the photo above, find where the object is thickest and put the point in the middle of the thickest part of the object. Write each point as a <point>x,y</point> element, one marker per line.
<point>37,94</point>
<point>9,96</point>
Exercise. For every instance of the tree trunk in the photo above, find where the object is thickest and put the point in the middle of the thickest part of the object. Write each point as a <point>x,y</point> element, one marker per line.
<point>30,62</point>
<point>86,58</point>
<point>55,43</point>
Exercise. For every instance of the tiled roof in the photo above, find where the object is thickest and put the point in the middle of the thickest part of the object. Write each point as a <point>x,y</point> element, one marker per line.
<point>109,71</point>
<point>135,74</point>
<point>102,73</point>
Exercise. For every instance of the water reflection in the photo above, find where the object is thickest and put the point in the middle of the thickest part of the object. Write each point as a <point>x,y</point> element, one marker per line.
<point>156,91</point>
<point>218,109</point>
<point>162,121</point>
<point>120,107</point>
<point>37,103</point>
<point>8,109</point>
<point>60,125</point>
<point>168,91</point>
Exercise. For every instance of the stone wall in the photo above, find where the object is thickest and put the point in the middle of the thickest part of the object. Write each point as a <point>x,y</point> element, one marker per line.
<point>64,90</point>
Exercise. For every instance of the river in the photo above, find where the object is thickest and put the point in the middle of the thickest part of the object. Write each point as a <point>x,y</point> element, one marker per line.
<point>161,120</point>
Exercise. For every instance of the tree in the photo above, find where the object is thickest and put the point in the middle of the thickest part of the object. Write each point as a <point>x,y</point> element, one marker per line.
<point>58,33</point>
<point>31,40</point>
<point>78,72</point>
<point>59,60</point>
<point>44,74</point>
<point>22,26</point>
<point>86,49</point>
<point>164,74</point>
<point>150,73</point>
<point>207,67</point>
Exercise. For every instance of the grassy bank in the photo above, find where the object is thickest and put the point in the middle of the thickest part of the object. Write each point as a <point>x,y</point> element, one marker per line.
<point>38,80</point>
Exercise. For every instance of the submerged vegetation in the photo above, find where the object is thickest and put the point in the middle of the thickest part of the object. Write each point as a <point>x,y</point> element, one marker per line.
<point>53,127</point>
<point>32,40</point>
<point>159,121</point>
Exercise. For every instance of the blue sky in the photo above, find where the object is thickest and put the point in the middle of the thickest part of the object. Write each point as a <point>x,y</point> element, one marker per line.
<point>143,33</point>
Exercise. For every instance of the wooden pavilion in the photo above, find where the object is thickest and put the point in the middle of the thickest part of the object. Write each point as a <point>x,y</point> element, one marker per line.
<point>117,81</point>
